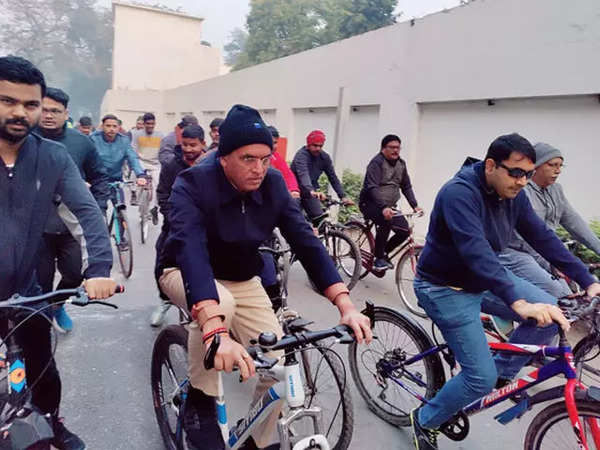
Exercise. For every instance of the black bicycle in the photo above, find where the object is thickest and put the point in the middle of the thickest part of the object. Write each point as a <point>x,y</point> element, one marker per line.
<point>118,228</point>
<point>22,426</point>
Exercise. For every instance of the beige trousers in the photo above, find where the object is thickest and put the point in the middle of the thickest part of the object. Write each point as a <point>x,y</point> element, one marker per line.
<point>248,312</point>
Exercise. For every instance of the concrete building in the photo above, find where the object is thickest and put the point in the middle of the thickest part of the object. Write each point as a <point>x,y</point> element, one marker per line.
<point>448,84</point>
<point>155,50</point>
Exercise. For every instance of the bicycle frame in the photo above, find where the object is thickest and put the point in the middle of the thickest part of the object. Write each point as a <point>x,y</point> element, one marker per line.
<point>564,365</point>
<point>118,203</point>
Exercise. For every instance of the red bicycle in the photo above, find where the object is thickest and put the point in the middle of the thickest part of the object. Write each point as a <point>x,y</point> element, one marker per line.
<point>407,254</point>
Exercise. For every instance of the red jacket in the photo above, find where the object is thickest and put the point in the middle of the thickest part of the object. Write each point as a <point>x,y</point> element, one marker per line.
<point>290,179</point>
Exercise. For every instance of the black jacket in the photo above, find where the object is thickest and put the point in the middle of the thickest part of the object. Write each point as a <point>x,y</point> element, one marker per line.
<point>308,168</point>
<point>216,231</point>
<point>470,224</point>
<point>383,183</point>
<point>88,161</point>
<point>43,177</point>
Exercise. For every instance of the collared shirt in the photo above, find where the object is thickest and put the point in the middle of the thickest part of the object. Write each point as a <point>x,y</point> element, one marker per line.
<point>216,230</point>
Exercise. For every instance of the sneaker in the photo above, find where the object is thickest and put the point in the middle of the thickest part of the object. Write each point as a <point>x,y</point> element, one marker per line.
<point>61,320</point>
<point>424,438</point>
<point>134,201</point>
<point>200,421</point>
<point>158,316</point>
<point>63,438</point>
<point>389,263</point>
<point>154,214</point>
<point>380,265</point>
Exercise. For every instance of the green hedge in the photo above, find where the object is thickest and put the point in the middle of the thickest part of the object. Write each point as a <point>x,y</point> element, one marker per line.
<point>352,184</point>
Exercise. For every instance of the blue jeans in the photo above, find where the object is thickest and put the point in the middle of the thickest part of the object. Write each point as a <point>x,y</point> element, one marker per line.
<point>524,265</point>
<point>457,315</point>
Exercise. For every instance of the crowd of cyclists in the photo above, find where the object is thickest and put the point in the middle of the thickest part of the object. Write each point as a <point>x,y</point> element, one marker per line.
<point>489,247</point>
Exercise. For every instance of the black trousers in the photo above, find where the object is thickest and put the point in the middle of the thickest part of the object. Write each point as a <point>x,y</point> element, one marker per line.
<point>60,251</point>
<point>41,371</point>
<point>383,229</point>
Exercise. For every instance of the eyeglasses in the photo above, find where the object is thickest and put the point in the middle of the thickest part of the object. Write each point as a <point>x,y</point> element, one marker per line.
<point>517,172</point>
<point>252,160</point>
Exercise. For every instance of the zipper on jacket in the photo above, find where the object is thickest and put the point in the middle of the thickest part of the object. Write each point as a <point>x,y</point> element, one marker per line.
<point>10,172</point>
<point>243,206</point>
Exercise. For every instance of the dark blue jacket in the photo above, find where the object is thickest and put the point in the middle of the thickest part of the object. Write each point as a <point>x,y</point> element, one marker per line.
<point>87,159</point>
<point>45,177</point>
<point>216,231</point>
<point>308,168</point>
<point>470,224</point>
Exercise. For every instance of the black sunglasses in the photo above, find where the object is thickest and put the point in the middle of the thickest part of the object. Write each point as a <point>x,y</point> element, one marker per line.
<point>516,172</point>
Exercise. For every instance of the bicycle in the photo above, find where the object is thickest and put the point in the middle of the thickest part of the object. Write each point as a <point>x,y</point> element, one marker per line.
<point>21,423</point>
<point>343,250</point>
<point>323,399</point>
<point>147,214</point>
<point>282,255</point>
<point>412,365</point>
<point>118,228</point>
<point>408,254</point>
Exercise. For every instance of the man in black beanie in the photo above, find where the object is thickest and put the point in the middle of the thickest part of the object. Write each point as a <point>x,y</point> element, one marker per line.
<point>221,210</point>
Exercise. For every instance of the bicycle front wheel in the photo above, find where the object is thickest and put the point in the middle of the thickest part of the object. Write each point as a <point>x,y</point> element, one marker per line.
<point>587,363</point>
<point>552,429</point>
<point>405,276</point>
<point>144,212</point>
<point>125,247</point>
<point>398,339</point>
<point>345,255</point>
<point>168,380</point>
<point>326,387</point>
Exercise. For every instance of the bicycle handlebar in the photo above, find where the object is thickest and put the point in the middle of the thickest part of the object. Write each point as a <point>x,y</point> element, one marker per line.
<point>79,295</point>
<point>275,252</point>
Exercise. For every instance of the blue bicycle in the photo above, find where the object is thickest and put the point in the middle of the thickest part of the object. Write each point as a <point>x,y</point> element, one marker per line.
<point>403,369</point>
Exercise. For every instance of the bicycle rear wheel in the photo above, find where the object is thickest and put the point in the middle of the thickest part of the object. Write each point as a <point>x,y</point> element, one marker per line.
<point>125,247</point>
<point>552,429</point>
<point>168,380</point>
<point>406,269</point>
<point>398,339</point>
<point>326,386</point>
<point>360,234</point>
<point>345,255</point>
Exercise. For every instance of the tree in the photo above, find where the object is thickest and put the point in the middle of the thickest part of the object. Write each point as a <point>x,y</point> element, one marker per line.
<point>235,47</point>
<point>69,40</point>
<point>278,28</point>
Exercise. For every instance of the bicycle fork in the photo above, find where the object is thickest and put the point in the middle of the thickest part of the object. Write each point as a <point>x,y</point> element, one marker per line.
<point>574,417</point>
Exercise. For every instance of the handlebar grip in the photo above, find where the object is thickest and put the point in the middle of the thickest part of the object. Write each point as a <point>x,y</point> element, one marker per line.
<point>120,289</point>
<point>209,357</point>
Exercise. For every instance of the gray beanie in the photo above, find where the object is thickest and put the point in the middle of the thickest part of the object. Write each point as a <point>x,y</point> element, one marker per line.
<point>544,153</point>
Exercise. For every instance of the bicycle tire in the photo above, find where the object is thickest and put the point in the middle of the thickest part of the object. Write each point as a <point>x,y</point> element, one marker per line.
<point>414,340</point>
<point>144,208</point>
<point>173,335</point>
<point>405,276</point>
<point>360,234</point>
<point>542,423</point>
<point>338,418</point>
<point>125,256</point>
<point>353,252</point>
<point>586,350</point>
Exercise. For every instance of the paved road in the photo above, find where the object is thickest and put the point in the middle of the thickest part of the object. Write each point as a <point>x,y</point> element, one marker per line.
<point>105,366</point>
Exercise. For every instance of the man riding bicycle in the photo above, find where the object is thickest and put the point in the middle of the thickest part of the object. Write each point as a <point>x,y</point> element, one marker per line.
<point>551,205</point>
<point>36,177</point>
<point>459,275</point>
<point>386,176</point>
<point>221,210</point>
<point>308,165</point>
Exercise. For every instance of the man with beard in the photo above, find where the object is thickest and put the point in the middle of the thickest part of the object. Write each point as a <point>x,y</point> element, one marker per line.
<point>168,143</point>
<point>186,155</point>
<point>60,249</point>
<point>37,176</point>
<point>386,176</point>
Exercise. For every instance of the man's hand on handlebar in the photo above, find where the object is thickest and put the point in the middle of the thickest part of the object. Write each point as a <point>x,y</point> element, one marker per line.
<point>229,354</point>
<point>593,290</point>
<point>295,194</point>
<point>319,195</point>
<point>100,288</point>
<point>418,210</point>
<point>388,213</point>
<point>543,313</point>
<point>141,181</point>
<point>347,201</point>
<point>359,323</point>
